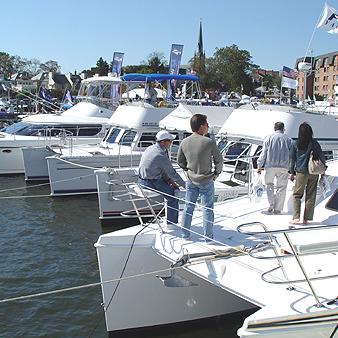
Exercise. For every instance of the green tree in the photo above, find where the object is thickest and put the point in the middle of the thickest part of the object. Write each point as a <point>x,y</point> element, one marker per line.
<point>199,66</point>
<point>132,69</point>
<point>271,81</point>
<point>156,63</point>
<point>229,69</point>
<point>102,67</point>
<point>6,65</point>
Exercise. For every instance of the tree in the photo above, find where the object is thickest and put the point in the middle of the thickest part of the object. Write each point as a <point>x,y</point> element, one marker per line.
<point>102,67</point>
<point>229,69</point>
<point>155,63</point>
<point>33,66</point>
<point>132,69</point>
<point>50,66</point>
<point>6,65</point>
<point>271,81</point>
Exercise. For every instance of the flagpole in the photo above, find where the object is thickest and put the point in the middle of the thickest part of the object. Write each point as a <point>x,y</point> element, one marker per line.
<point>281,87</point>
<point>313,33</point>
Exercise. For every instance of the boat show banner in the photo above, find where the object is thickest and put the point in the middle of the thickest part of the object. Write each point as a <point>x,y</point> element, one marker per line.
<point>117,63</point>
<point>289,77</point>
<point>175,58</point>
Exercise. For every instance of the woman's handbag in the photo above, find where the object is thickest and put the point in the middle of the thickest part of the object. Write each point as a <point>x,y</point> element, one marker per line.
<point>316,167</point>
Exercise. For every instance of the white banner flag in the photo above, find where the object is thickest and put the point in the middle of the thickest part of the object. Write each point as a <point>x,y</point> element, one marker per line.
<point>329,20</point>
<point>289,83</point>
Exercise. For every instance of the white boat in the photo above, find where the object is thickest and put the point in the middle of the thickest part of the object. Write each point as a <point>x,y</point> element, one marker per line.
<point>240,143</point>
<point>242,135</point>
<point>111,209</point>
<point>134,126</point>
<point>255,260</point>
<point>85,122</point>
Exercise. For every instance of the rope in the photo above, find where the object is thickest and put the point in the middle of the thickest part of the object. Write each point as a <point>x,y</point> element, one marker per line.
<point>313,33</point>
<point>78,165</point>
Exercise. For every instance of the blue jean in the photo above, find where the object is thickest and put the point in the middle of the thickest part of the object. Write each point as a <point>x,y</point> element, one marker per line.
<point>207,192</point>
<point>172,202</point>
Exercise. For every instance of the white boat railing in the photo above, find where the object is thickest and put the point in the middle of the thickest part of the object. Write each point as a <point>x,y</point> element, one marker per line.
<point>296,252</point>
<point>130,191</point>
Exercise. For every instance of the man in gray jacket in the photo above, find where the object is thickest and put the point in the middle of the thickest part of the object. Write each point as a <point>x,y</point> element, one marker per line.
<point>196,155</point>
<point>275,159</point>
<point>157,172</point>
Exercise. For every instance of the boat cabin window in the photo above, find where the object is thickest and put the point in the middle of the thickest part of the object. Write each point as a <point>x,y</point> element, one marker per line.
<point>255,156</point>
<point>112,135</point>
<point>59,130</point>
<point>146,140</point>
<point>127,138</point>
<point>89,130</point>
<point>16,128</point>
<point>241,171</point>
<point>235,150</point>
<point>222,144</point>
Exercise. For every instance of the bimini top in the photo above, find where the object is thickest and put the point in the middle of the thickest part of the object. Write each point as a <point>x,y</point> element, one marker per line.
<point>158,77</point>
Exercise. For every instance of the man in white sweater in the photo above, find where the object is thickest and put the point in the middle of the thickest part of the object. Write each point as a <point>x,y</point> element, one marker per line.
<point>197,155</point>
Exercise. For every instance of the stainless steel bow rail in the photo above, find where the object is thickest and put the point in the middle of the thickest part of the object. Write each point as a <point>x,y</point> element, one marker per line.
<point>134,193</point>
<point>307,249</point>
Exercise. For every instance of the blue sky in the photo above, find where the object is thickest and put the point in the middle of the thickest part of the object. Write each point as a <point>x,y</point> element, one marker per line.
<point>76,33</point>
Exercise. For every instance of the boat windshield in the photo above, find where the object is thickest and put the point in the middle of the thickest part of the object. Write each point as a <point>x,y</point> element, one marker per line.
<point>112,135</point>
<point>23,128</point>
<point>235,150</point>
<point>29,129</point>
<point>127,137</point>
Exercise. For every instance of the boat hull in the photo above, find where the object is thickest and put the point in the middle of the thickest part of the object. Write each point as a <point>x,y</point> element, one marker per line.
<point>145,301</point>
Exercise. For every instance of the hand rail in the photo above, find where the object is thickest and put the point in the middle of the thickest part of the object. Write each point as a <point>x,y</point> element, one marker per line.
<point>294,253</point>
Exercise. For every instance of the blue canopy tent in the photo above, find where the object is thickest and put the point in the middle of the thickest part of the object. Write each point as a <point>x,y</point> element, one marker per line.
<point>158,77</point>
<point>170,80</point>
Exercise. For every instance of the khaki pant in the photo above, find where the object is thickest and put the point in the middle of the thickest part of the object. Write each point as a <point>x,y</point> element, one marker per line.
<point>276,180</point>
<point>308,183</point>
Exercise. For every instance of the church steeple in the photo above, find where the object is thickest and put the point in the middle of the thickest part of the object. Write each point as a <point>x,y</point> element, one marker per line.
<point>200,51</point>
<point>199,64</point>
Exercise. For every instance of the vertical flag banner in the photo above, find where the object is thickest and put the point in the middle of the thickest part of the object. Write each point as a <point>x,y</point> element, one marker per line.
<point>45,95</point>
<point>117,63</point>
<point>289,77</point>
<point>175,58</point>
<point>68,97</point>
<point>329,20</point>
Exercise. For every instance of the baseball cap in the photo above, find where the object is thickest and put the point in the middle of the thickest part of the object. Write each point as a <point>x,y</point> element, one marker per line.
<point>164,135</point>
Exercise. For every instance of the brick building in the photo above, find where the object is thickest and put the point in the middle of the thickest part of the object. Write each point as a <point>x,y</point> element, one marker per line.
<point>323,79</point>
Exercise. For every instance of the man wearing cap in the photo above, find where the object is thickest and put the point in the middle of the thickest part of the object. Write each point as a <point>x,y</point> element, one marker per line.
<point>199,156</point>
<point>157,172</point>
<point>275,159</point>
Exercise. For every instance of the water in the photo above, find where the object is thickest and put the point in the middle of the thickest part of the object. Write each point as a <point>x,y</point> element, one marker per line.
<point>46,244</point>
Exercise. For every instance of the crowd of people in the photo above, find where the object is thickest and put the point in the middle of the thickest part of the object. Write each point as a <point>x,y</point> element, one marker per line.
<point>202,162</point>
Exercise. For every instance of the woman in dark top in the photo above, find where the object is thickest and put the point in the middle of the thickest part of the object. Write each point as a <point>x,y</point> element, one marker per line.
<point>299,160</point>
